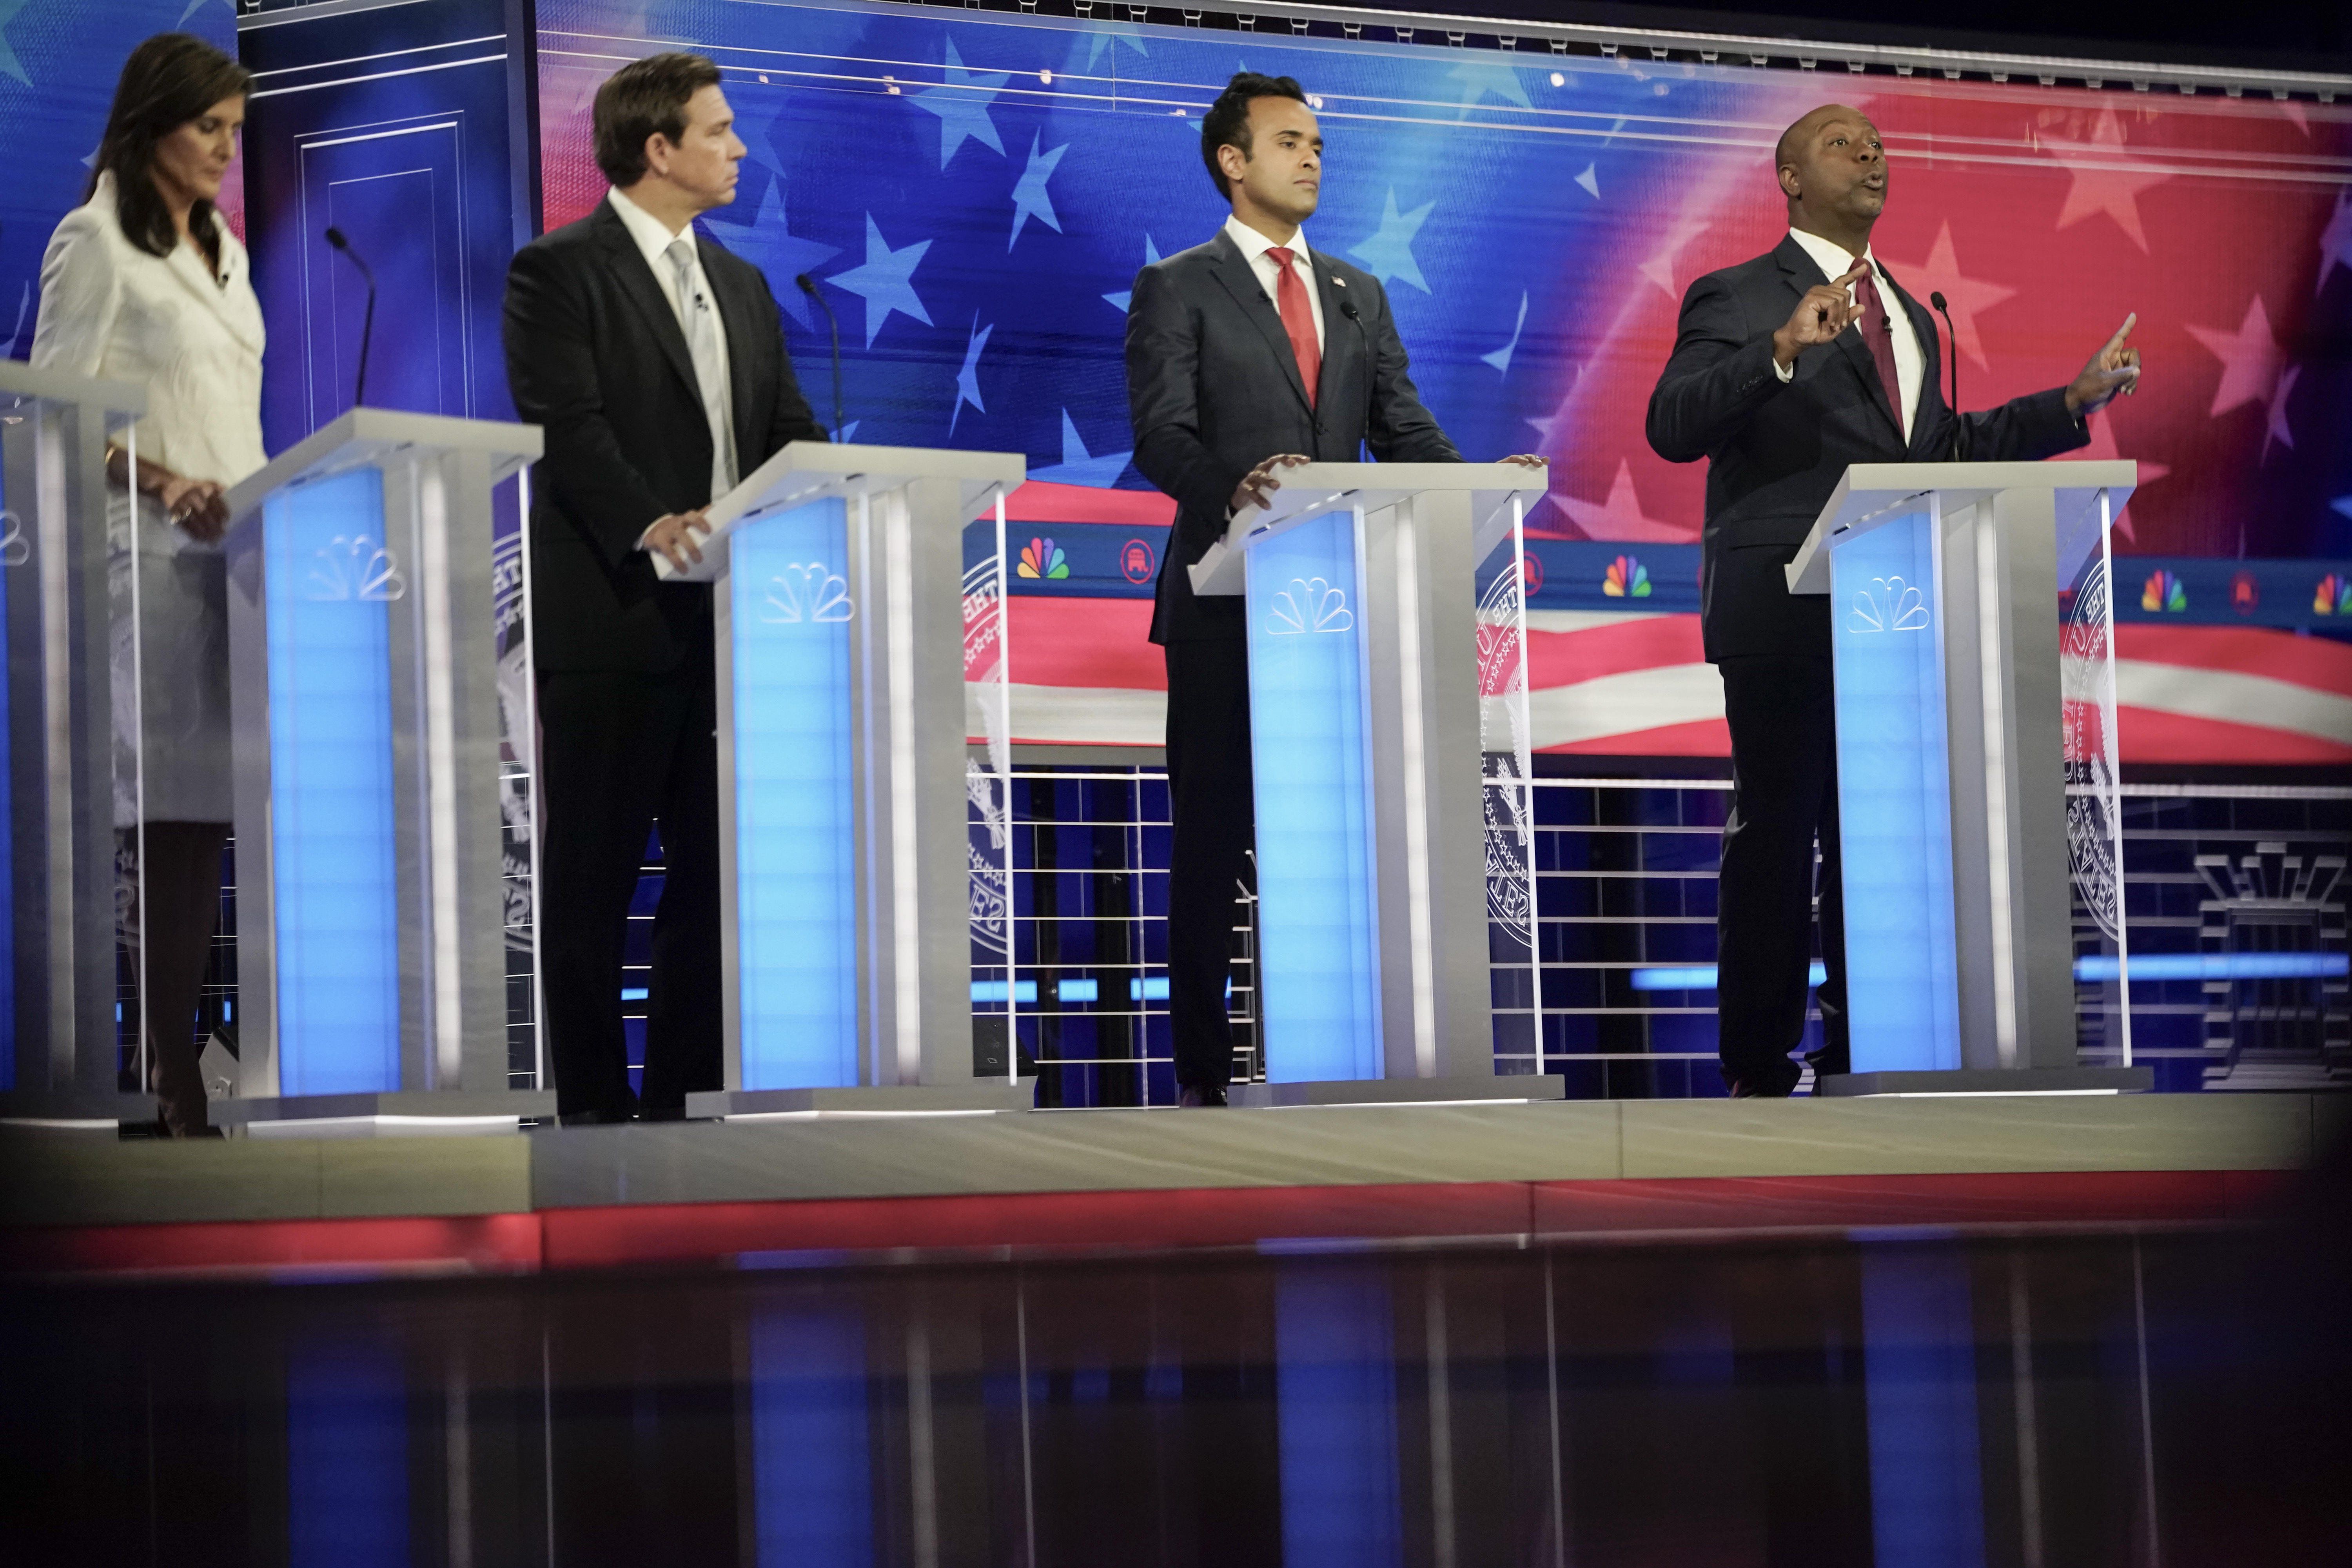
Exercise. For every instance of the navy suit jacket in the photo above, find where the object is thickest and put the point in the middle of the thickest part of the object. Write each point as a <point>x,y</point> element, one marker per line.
<point>1214,390</point>
<point>1776,451</point>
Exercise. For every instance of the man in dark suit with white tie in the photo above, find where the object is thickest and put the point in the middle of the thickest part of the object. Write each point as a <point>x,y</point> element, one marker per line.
<point>1245,356</point>
<point>656,363</point>
<point>1751,389</point>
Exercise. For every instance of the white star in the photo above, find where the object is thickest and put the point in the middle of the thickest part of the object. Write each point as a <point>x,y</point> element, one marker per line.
<point>1619,517</point>
<point>10,64</point>
<point>1078,468</point>
<point>1590,180</point>
<point>2275,429</point>
<point>1964,295</point>
<point>1660,267</point>
<point>962,104</point>
<point>1480,81</point>
<point>769,244</point>
<point>968,378</point>
<point>1030,197</point>
<point>1551,428</point>
<point>2336,242</point>
<point>2110,186</point>
<point>1122,298</point>
<point>1388,253</point>
<point>1501,358</point>
<point>1101,35</point>
<point>885,281</point>
<point>2251,358</point>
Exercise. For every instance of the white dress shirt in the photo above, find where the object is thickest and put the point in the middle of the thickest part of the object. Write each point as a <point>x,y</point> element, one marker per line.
<point>1255,245</point>
<point>1910,365</point>
<point>654,238</point>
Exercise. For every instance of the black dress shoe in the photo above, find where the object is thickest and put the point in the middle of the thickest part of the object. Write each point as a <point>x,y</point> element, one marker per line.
<point>1777,1081</point>
<point>1192,1096</point>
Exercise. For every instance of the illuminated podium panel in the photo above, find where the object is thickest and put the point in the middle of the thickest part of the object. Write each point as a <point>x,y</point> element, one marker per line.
<point>372,929</point>
<point>1370,774</point>
<point>60,1061</point>
<point>838,581</point>
<point>1972,629</point>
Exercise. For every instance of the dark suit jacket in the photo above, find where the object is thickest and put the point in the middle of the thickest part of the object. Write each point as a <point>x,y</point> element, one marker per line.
<point>595,357</point>
<point>1214,390</point>
<point>1776,452</point>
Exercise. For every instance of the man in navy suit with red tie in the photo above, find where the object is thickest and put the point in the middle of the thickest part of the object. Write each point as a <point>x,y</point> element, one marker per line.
<point>1783,378</point>
<point>1245,356</point>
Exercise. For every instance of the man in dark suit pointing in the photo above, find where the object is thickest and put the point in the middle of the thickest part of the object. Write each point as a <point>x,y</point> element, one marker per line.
<point>1245,356</point>
<point>655,361</point>
<point>1787,370</point>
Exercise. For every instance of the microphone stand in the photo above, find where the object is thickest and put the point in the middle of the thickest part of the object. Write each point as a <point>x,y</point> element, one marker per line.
<point>808,286</point>
<point>367,321</point>
<point>1960,421</point>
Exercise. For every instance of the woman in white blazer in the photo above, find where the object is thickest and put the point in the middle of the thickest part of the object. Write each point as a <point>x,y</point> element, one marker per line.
<point>145,283</point>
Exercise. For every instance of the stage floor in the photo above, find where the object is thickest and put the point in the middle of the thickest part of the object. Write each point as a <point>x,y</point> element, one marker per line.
<point>845,1186</point>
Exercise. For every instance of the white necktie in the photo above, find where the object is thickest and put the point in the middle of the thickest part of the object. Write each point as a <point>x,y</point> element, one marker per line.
<point>702,342</point>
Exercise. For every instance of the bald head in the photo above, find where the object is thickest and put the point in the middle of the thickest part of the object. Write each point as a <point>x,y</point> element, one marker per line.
<point>1832,168</point>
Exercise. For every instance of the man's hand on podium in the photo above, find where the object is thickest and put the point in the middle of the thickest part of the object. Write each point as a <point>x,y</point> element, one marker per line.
<point>1259,482</point>
<point>1827,310</point>
<point>1530,460</point>
<point>675,536</point>
<point>2114,369</point>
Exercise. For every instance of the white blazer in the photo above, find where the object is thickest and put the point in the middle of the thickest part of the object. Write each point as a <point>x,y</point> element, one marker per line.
<point>193,340</point>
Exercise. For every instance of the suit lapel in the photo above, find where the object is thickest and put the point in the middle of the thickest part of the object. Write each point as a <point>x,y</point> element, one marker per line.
<point>637,283</point>
<point>1339,337</point>
<point>1931,356</point>
<point>1803,273</point>
<point>1240,280</point>
<point>737,319</point>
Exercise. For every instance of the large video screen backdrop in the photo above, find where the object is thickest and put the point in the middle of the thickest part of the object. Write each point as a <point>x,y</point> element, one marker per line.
<point>975,192</point>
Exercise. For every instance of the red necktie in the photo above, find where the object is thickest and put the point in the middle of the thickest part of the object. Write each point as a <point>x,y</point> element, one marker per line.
<point>1878,332</point>
<point>1298,321</point>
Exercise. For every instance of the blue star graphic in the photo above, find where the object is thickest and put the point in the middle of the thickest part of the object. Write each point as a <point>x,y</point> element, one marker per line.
<point>968,378</point>
<point>1103,36</point>
<point>2342,504</point>
<point>1030,197</point>
<point>1590,180</point>
<point>770,245</point>
<point>10,64</point>
<point>2336,242</point>
<point>1077,468</point>
<point>961,105</point>
<point>1480,81</point>
<point>196,5</point>
<point>1388,253</point>
<point>885,281</point>
<point>1124,296</point>
<point>1501,358</point>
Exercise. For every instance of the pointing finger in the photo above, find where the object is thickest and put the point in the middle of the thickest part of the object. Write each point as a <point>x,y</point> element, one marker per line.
<point>2122,332</point>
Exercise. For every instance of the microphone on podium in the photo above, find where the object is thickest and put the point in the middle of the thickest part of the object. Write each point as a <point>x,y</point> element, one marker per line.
<point>1959,425</point>
<point>808,286</point>
<point>367,322</point>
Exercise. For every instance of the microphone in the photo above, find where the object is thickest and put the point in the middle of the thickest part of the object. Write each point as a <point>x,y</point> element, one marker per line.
<point>1348,309</point>
<point>367,322</point>
<point>808,286</point>
<point>1959,423</point>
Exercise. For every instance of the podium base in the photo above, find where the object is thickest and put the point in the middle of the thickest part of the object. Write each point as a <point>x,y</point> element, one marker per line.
<point>1398,1091</point>
<point>1982,1081</point>
<point>402,1112</point>
<point>75,1110</point>
<point>868,1099</point>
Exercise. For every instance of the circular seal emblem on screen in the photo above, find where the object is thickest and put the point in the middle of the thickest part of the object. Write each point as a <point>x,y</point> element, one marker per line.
<point>1137,563</point>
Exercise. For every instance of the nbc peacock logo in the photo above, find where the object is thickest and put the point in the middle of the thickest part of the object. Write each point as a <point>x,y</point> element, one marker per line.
<point>2163,592</point>
<point>2333,597</point>
<point>1042,557</point>
<point>1627,578</point>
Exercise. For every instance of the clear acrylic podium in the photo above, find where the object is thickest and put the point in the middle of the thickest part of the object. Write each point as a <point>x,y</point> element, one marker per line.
<point>372,927</point>
<point>61,1060</point>
<point>1378,831</point>
<point>845,875</point>
<point>1972,628</point>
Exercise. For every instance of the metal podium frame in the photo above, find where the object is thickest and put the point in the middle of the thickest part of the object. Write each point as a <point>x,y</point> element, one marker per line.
<point>53,430</point>
<point>437,473</point>
<point>905,512</point>
<point>1420,531</point>
<point>1986,535</point>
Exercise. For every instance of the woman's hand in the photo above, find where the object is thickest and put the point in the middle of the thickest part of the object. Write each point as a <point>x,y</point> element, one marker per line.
<point>199,507</point>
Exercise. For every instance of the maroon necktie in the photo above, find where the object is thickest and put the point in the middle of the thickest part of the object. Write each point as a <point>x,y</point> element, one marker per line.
<point>1878,332</point>
<point>1298,321</point>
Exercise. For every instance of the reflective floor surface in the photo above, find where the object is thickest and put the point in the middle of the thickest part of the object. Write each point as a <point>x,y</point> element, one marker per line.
<point>2171,1398</point>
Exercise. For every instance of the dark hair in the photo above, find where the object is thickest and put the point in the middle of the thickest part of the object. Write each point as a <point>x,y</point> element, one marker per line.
<point>1227,122</point>
<point>170,80</point>
<point>644,98</point>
